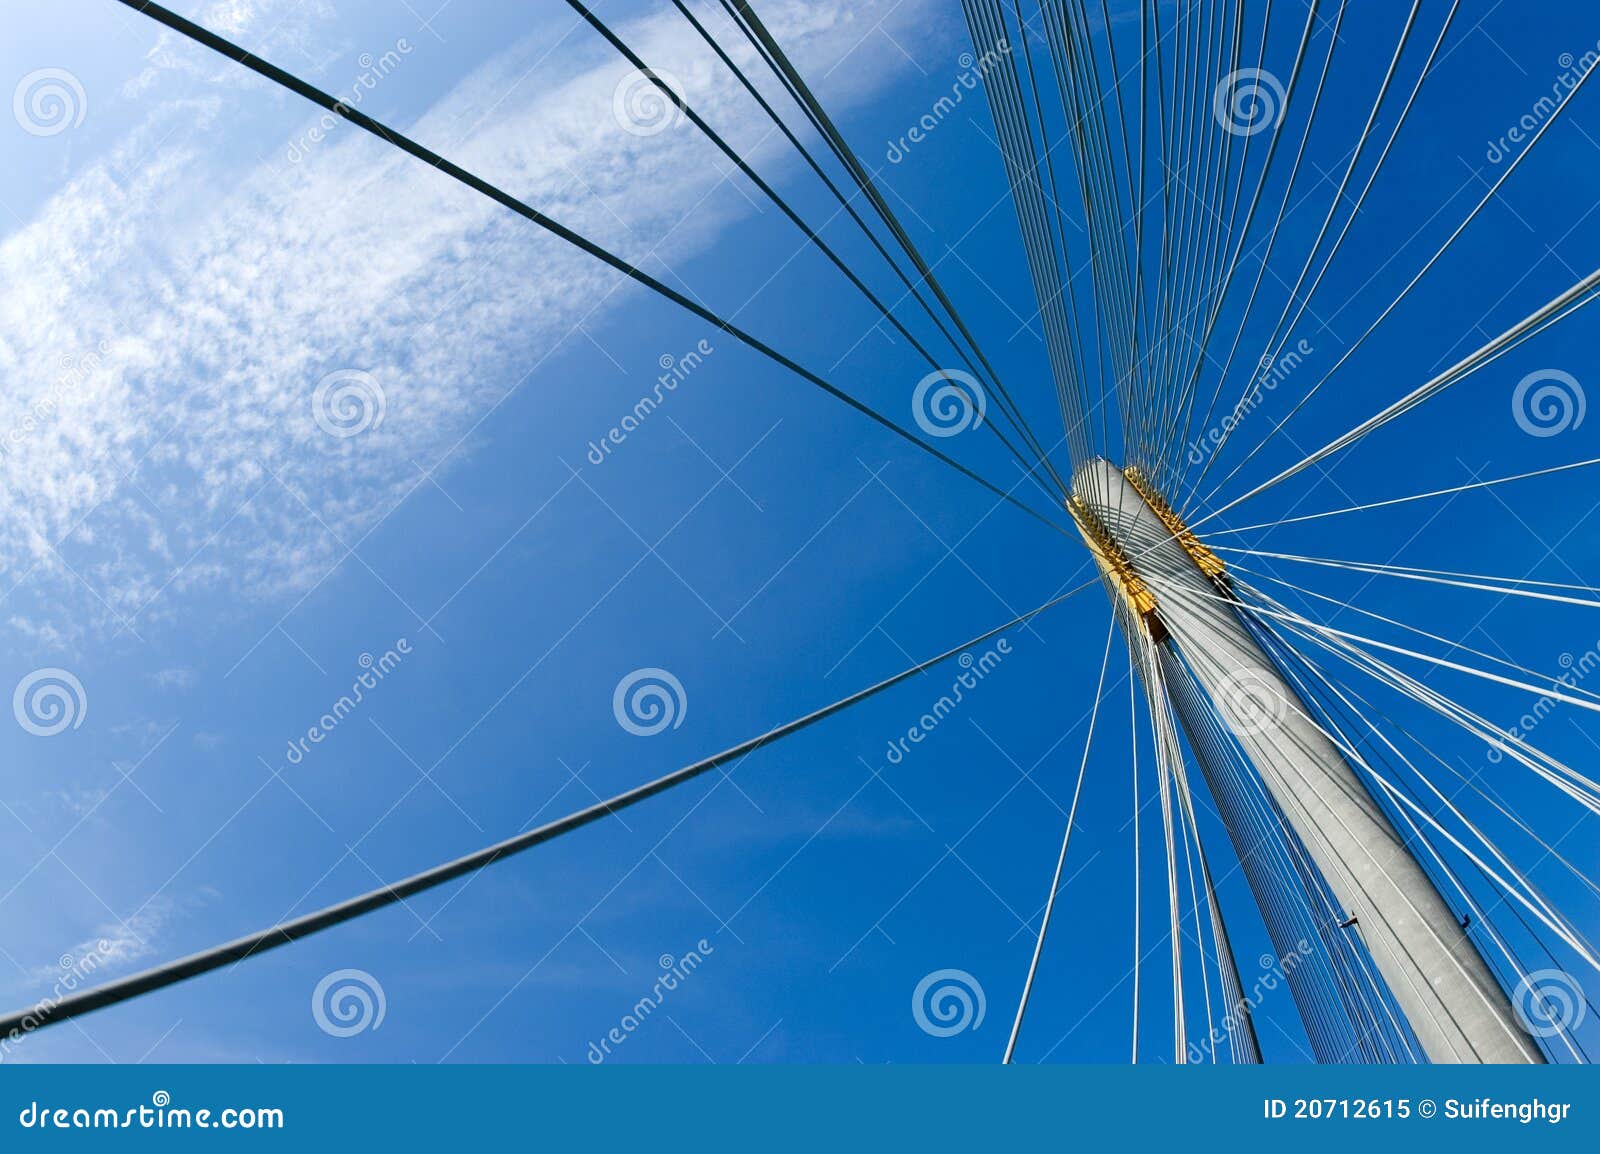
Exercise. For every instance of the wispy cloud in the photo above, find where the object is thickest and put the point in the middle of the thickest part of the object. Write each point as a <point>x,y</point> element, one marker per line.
<point>170,313</point>
<point>116,945</point>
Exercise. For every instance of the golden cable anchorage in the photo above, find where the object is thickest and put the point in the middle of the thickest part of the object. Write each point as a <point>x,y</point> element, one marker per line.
<point>1210,564</point>
<point>1114,562</point>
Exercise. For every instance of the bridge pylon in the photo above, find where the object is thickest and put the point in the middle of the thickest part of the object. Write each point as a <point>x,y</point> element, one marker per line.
<point>1170,585</point>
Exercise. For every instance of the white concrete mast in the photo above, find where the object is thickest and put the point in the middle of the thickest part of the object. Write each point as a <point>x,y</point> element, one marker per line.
<point>1173,587</point>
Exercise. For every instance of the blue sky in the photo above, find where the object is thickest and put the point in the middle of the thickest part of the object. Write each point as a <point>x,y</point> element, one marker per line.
<point>184,265</point>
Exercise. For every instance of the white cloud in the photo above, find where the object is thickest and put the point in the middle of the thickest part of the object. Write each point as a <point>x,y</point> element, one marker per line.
<point>178,677</point>
<point>166,323</point>
<point>294,29</point>
<point>117,945</point>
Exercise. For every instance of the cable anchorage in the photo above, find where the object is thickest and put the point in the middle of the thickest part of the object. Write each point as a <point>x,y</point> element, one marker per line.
<point>1209,563</point>
<point>1114,562</point>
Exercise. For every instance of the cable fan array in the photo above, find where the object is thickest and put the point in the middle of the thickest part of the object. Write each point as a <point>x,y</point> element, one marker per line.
<point>1172,157</point>
<point>1138,150</point>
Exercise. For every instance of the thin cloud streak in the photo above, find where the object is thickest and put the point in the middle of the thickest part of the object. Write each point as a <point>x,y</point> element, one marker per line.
<point>161,342</point>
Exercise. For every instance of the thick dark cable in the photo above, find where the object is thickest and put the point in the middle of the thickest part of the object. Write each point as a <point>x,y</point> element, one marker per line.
<point>850,209</point>
<point>389,135</point>
<point>47,1013</point>
<point>777,60</point>
<point>799,222</point>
